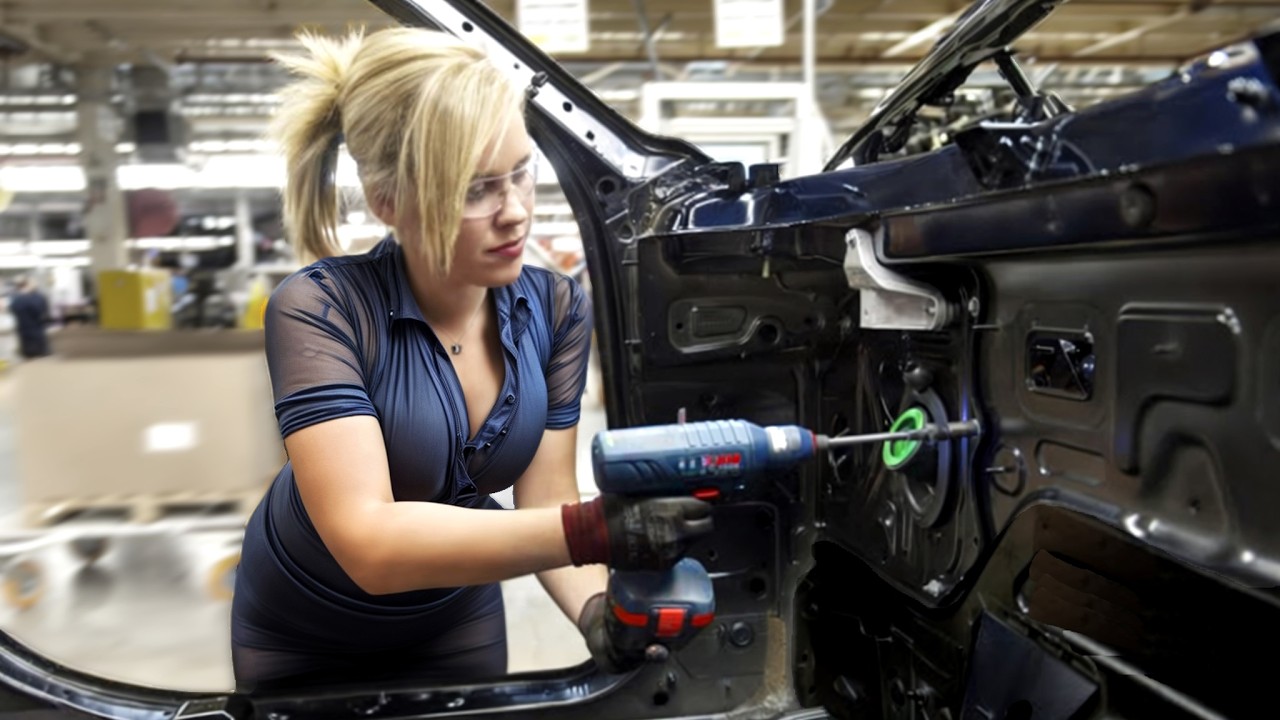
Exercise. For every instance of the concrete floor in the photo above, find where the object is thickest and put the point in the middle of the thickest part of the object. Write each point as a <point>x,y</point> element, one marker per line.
<point>144,612</point>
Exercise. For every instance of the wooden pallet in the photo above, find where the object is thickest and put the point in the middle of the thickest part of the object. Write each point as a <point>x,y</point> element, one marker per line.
<point>141,508</point>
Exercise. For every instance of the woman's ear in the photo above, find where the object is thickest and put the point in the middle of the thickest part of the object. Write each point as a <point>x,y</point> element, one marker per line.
<point>383,207</point>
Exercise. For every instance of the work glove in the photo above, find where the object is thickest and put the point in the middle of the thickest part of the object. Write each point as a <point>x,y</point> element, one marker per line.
<point>633,533</point>
<point>591,623</point>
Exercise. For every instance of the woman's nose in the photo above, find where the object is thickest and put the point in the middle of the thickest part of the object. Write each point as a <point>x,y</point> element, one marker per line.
<point>515,207</point>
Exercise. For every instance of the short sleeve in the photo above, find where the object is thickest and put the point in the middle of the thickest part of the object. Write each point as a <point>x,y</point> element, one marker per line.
<point>314,353</point>
<point>570,351</point>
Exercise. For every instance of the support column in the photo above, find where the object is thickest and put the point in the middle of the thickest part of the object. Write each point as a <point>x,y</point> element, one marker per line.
<point>35,233</point>
<point>98,128</point>
<point>244,231</point>
<point>810,125</point>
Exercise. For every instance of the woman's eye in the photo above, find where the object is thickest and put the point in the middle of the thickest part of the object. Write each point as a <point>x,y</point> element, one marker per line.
<point>476,193</point>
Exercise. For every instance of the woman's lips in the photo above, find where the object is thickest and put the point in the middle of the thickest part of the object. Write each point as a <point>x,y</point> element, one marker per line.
<point>510,250</point>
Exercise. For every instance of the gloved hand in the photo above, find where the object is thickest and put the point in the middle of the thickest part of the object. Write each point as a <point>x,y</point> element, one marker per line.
<point>633,533</point>
<point>592,626</point>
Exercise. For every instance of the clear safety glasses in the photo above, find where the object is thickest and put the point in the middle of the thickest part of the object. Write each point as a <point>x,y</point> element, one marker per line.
<point>487,195</point>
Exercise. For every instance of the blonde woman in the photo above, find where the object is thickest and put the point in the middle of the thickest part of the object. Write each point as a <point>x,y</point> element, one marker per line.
<point>413,381</point>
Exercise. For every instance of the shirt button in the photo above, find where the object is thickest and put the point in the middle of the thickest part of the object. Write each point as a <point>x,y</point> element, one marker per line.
<point>511,399</point>
<point>488,445</point>
<point>504,431</point>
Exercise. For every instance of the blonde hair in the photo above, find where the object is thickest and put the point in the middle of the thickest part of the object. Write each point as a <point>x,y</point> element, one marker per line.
<point>416,108</point>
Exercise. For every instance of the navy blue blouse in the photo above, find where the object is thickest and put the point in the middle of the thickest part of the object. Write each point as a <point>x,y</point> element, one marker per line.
<point>345,337</point>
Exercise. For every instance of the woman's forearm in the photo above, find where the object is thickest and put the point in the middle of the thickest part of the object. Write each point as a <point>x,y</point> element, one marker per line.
<point>415,545</point>
<point>571,586</point>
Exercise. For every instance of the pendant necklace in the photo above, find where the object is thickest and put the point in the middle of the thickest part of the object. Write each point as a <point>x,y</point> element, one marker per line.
<point>456,347</point>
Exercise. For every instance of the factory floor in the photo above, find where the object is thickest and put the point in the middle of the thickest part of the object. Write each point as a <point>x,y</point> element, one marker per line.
<point>148,610</point>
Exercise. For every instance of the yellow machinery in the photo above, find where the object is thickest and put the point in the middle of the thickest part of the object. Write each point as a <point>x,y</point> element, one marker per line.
<point>134,300</point>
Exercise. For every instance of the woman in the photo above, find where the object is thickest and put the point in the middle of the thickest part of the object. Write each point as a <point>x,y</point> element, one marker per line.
<point>413,381</point>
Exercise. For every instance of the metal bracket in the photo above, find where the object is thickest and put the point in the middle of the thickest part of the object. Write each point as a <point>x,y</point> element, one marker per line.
<point>890,301</point>
<point>214,708</point>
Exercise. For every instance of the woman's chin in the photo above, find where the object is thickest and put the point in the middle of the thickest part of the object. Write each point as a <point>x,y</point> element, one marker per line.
<point>500,276</point>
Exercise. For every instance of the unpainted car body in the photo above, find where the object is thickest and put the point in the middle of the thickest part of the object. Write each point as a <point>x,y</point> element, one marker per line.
<point>1096,287</point>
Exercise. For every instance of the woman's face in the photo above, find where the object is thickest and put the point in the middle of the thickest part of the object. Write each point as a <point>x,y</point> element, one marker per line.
<point>497,213</point>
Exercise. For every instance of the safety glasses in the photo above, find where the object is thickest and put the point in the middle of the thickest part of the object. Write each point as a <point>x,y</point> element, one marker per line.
<point>487,195</point>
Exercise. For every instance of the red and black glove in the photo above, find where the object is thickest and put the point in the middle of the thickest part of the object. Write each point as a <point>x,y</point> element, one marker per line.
<point>633,533</point>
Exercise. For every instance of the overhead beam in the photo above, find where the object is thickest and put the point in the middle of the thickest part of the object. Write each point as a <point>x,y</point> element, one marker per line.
<point>31,38</point>
<point>791,61</point>
<point>926,34</point>
<point>1137,32</point>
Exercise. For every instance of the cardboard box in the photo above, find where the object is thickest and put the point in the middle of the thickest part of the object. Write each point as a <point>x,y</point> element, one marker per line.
<point>148,414</point>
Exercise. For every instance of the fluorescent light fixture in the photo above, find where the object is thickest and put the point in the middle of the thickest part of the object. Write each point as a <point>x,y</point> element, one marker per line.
<point>27,262</point>
<point>618,95</point>
<point>70,262</point>
<point>190,242</point>
<point>18,261</point>
<point>232,146</point>
<point>40,99</point>
<point>223,171</point>
<point>232,170</point>
<point>232,99</point>
<point>60,247</point>
<point>40,148</point>
<point>166,175</point>
<point>45,248</point>
<point>42,178</point>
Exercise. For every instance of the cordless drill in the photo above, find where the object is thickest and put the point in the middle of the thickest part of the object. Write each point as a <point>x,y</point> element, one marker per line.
<point>723,459</point>
<point>650,613</point>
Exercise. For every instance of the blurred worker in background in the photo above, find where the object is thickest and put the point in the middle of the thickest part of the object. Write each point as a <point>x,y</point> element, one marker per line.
<point>30,311</point>
<point>413,381</point>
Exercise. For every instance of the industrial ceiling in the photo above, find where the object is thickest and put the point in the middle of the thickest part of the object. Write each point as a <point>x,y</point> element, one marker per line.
<point>851,31</point>
<point>206,63</point>
<point>213,53</point>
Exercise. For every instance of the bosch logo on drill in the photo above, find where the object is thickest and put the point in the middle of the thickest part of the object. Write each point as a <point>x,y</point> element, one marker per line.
<point>711,464</point>
<point>727,461</point>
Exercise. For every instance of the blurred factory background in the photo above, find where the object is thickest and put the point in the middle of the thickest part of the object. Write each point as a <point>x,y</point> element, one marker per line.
<point>139,198</point>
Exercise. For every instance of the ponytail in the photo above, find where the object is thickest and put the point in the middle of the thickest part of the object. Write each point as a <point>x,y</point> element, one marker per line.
<point>308,127</point>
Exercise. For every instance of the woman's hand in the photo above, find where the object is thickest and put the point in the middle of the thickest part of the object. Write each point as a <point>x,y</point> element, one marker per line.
<point>633,533</point>
<point>592,626</point>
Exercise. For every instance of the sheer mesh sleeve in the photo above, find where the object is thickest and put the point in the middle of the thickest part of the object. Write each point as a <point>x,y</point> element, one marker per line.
<point>313,353</point>
<point>570,351</point>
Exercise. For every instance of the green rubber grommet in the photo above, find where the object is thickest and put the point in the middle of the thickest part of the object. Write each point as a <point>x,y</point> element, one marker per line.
<point>899,452</point>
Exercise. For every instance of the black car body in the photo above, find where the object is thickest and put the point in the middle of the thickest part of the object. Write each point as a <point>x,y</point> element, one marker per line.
<point>1099,289</point>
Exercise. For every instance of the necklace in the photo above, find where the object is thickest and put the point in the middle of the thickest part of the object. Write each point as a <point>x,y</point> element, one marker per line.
<point>456,347</point>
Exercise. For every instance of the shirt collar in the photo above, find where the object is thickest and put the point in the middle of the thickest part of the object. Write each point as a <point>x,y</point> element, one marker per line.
<point>405,307</point>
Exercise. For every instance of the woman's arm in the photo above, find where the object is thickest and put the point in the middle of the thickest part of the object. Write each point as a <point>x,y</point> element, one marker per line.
<point>388,547</point>
<point>549,482</point>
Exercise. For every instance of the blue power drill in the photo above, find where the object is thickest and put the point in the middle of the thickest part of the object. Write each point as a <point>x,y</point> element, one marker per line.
<point>651,613</point>
<point>722,459</point>
<point>709,460</point>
